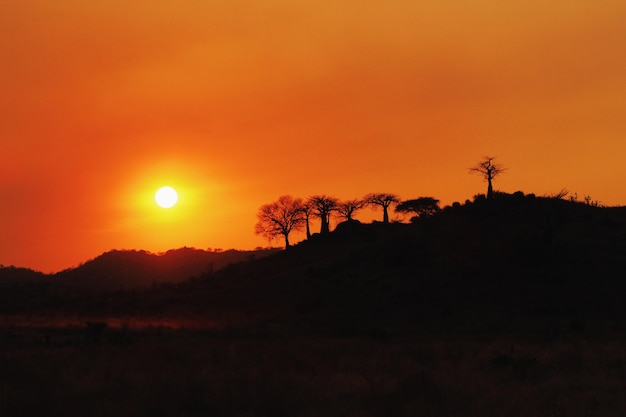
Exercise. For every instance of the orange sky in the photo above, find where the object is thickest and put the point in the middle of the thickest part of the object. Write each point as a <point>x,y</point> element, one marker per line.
<point>235,103</point>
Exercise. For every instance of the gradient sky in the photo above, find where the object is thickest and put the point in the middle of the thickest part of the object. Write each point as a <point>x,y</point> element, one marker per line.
<point>236,103</point>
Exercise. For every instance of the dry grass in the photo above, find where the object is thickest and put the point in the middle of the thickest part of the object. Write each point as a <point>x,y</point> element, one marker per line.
<point>166,372</point>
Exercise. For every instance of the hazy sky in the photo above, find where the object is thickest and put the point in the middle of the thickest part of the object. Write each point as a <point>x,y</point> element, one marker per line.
<point>236,103</point>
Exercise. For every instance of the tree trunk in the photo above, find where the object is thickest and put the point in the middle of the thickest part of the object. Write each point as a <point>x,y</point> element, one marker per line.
<point>286,242</point>
<point>489,189</point>
<point>308,228</point>
<point>325,227</point>
<point>385,215</point>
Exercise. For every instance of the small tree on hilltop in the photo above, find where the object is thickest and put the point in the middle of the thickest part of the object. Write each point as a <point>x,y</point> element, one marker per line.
<point>346,209</point>
<point>280,218</point>
<point>422,207</point>
<point>489,170</point>
<point>307,211</point>
<point>323,206</point>
<point>383,200</point>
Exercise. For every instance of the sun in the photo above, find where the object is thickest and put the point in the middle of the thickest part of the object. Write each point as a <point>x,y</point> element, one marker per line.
<point>166,197</point>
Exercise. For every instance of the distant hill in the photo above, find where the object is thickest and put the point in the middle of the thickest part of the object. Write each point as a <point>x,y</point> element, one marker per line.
<point>11,275</point>
<point>25,290</point>
<point>138,269</point>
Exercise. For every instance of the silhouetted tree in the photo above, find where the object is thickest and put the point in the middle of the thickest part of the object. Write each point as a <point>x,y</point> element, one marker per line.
<point>307,210</point>
<point>323,206</point>
<point>422,207</point>
<point>280,218</point>
<point>489,170</point>
<point>383,200</point>
<point>346,209</point>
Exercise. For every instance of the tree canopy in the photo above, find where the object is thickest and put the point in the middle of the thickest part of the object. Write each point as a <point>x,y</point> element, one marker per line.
<point>281,217</point>
<point>489,170</point>
<point>348,208</point>
<point>422,207</point>
<point>323,206</point>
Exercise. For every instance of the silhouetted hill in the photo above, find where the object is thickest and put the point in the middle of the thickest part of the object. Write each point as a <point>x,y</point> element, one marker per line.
<point>132,269</point>
<point>478,265</point>
<point>11,275</point>
<point>28,291</point>
<point>518,261</point>
<point>24,289</point>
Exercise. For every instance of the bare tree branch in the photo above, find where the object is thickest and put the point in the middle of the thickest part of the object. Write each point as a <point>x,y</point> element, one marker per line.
<point>489,170</point>
<point>348,208</point>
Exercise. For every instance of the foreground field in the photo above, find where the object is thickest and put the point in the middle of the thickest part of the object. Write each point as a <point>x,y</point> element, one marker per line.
<point>161,371</point>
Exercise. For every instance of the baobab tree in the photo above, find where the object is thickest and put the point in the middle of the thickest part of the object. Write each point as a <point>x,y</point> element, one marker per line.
<point>322,206</point>
<point>280,218</point>
<point>307,210</point>
<point>422,207</point>
<point>346,209</point>
<point>489,170</point>
<point>383,200</point>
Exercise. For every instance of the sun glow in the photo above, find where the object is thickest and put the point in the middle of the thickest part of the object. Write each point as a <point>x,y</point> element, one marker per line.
<point>166,197</point>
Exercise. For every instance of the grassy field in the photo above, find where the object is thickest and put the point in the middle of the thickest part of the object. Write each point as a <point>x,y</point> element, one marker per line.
<point>160,371</point>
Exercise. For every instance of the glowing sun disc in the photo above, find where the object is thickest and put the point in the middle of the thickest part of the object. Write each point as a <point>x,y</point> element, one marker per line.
<point>166,197</point>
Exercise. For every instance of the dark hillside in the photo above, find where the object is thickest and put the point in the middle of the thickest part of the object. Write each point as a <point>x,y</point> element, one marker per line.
<point>518,259</point>
<point>22,285</point>
<point>515,262</point>
<point>11,275</point>
<point>513,307</point>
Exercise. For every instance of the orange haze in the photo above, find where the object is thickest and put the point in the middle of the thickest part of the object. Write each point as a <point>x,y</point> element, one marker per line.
<point>235,103</point>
